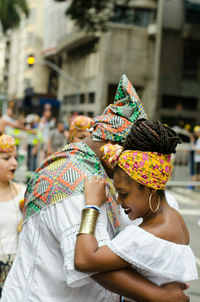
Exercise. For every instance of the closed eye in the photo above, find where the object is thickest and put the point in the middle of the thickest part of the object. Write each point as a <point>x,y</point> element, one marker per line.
<point>123,195</point>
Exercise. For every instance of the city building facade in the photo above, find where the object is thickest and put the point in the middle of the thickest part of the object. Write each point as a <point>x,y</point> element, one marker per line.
<point>155,43</point>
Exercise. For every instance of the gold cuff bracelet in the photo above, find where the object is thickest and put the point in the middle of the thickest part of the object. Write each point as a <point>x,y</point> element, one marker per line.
<point>88,221</point>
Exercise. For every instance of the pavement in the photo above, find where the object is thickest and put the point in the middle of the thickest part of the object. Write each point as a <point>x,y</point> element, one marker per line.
<point>189,203</point>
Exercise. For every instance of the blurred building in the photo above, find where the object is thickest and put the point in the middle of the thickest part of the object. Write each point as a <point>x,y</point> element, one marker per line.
<point>156,43</point>
<point>180,63</point>
<point>27,86</point>
<point>97,61</point>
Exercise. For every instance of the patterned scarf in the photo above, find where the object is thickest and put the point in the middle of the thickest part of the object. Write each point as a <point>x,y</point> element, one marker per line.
<point>7,143</point>
<point>62,175</point>
<point>115,122</point>
<point>151,169</point>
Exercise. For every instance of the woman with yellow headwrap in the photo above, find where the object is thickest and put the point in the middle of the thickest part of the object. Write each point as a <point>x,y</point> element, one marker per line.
<point>79,128</point>
<point>159,247</point>
<point>11,194</point>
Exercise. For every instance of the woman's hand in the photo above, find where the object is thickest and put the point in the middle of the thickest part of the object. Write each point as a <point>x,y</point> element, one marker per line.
<point>95,191</point>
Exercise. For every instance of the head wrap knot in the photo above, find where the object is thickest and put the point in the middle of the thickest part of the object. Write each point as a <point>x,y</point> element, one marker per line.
<point>7,143</point>
<point>115,122</point>
<point>151,169</point>
<point>111,154</point>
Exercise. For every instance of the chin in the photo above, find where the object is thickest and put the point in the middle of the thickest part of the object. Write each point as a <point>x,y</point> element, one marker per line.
<point>132,216</point>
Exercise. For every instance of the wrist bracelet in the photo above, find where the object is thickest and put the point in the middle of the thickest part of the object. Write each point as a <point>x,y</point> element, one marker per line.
<point>91,206</point>
<point>88,221</point>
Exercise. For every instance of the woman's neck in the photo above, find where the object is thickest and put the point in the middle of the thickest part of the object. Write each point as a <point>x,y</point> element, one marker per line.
<point>150,216</point>
<point>4,185</point>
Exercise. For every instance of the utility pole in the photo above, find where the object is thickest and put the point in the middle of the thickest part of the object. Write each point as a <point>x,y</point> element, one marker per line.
<point>157,56</point>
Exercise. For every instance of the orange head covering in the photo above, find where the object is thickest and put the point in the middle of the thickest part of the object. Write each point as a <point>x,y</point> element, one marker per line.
<point>79,123</point>
<point>7,143</point>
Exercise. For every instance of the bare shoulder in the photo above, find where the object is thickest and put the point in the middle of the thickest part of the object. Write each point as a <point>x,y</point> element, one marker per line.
<point>171,228</point>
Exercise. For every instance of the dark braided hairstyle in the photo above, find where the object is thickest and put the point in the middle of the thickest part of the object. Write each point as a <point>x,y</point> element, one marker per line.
<point>151,136</point>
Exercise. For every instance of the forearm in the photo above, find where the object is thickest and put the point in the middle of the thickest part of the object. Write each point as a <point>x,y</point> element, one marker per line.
<point>128,283</point>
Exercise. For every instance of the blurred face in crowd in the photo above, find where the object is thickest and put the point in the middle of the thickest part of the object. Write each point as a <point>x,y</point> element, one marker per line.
<point>8,165</point>
<point>47,114</point>
<point>61,127</point>
<point>80,135</point>
<point>10,112</point>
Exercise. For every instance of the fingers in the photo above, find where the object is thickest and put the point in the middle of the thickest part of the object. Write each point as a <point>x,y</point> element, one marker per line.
<point>95,178</point>
<point>183,286</point>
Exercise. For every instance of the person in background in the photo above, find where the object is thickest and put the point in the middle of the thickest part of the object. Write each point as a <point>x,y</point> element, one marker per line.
<point>196,145</point>
<point>9,115</point>
<point>79,128</point>
<point>57,138</point>
<point>45,125</point>
<point>44,267</point>
<point>34,140</point>
<point>11,194</point>
<point>7,125</point>
<point>159,248</point>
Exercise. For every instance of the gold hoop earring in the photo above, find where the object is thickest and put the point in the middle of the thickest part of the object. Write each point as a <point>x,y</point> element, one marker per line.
<point>150,206</point>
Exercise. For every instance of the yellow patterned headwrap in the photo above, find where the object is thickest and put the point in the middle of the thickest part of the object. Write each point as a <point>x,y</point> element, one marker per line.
<point>7,143</point>
<point>150,169</point>
<point>79,123</point>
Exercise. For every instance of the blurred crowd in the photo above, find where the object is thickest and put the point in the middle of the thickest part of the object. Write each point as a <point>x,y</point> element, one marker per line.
<point>37,137</point>
<point>24,143</point>
<point>189,152</point>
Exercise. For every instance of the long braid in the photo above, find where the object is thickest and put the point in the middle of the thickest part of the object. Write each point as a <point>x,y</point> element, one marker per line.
<point>146,135</point>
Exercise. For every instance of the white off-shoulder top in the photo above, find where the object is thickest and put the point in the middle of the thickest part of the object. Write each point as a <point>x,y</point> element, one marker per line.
<point>158,260</point>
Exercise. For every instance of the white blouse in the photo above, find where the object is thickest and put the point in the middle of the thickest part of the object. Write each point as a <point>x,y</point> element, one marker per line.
<point>156,259</point>
<point>10,217</point>
<point>43,269</point>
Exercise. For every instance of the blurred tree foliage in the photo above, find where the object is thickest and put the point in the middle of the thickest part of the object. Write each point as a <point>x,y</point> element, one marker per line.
<point>92,15</point>
<point>10,13</point>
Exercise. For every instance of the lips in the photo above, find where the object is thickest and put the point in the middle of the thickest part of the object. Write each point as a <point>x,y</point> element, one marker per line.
<point>126,210</point>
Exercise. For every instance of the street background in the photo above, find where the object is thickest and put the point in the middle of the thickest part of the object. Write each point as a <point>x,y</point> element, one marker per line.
<point>60,59</point>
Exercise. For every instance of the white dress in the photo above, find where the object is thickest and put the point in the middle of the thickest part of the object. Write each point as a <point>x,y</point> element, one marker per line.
<point>10,217</point>
<point>156,259</point>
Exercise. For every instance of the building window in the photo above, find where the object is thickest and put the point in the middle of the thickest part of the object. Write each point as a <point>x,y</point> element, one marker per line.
<point>133,15</point>
<point>90,114</point>
<point>192,12</point>
<point>82,98</point>
<point>179,103</point>
<point>141,17</point>
<point>91,99</point>
<point>70,99</point>
<point>122,15</point>
<point>191,58</point>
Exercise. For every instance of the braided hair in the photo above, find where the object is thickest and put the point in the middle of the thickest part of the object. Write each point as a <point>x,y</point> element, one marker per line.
<point>152,136</point>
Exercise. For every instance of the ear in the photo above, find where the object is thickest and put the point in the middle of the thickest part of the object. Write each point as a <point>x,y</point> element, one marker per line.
<point>152,191</point>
